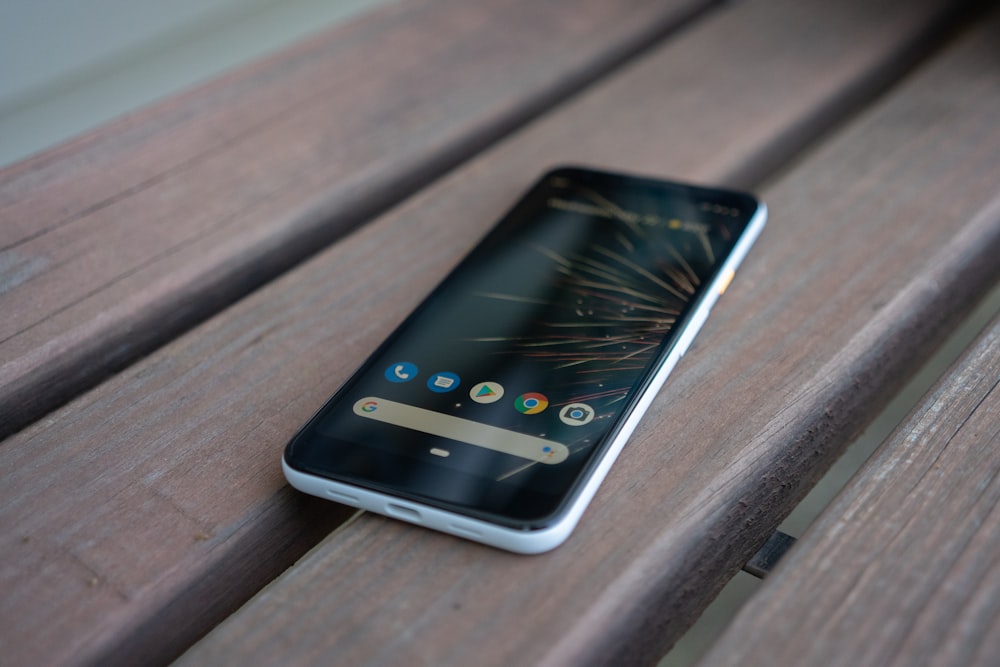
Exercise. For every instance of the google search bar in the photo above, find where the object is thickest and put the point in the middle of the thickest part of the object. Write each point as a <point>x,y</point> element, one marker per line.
<point>463,430</point>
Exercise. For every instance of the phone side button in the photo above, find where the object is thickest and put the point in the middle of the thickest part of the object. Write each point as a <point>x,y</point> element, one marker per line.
<point>404,513</point>
<point>726,279</point>
<point>692,330</point>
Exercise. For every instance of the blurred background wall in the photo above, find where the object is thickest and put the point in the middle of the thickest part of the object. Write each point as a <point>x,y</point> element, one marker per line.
<point>69,65</point>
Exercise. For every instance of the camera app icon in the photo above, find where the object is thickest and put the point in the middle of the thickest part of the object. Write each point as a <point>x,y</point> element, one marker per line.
<point>576,414</point>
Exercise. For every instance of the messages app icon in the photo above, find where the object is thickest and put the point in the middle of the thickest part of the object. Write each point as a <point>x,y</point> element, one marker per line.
<point>442,382</point>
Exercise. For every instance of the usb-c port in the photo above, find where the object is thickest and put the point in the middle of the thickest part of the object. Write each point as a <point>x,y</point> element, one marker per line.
<point>464,531</point>
<point>405,513</point>
<point>344,498</point>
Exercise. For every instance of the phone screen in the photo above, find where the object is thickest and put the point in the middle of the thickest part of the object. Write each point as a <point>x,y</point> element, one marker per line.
<point>494,397</point>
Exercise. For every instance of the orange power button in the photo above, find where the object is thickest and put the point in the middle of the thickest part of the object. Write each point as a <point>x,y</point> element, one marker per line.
<point>726,279</point>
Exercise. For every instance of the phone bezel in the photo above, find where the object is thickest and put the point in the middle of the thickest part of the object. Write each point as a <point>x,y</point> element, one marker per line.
<point>551,528</point>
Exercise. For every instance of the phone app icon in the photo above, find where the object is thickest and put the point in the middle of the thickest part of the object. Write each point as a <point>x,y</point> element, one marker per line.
<point>531,403</point>
<point>486,392</point>
<point>442,382</point>
<point>576,414</point>
<point>369,406</point>
<point>402,371</point>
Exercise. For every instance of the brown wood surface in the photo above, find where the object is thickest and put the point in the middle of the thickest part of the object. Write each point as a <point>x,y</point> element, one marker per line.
<point>118,241</point>
<point>902,568</point>
<point>127,510</point>
<point>877,243</point>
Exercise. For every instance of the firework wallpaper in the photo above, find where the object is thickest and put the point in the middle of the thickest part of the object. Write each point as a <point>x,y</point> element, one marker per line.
<point>606,306</point>
<point>560,314</point>
<point>617,298</point>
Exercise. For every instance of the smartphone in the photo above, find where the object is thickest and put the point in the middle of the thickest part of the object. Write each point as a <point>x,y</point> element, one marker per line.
<point>495,410</point>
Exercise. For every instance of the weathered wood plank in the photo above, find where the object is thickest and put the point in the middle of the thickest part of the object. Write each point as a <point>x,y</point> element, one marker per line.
<point>165,479</point>
<point>901,569</point>
<point>116,242</point>
<point>878,242</point>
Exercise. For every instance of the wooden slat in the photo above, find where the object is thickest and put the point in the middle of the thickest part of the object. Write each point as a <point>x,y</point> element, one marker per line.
<point>116,242</point>
<point>901,569</point>
<point>164,481</point>
<point>877,243</point>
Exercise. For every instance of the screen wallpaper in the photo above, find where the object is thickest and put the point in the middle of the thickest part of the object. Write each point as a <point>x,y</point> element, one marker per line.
<point>547,329</point>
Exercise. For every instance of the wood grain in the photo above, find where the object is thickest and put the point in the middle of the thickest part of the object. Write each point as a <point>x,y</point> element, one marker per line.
<point>902,568</point>
<point>118,241</point>
<point>878,242</point>
<point>136,495</point>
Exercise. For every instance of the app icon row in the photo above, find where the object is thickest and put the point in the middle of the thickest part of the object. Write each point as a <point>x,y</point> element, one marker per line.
<point>530,403</point>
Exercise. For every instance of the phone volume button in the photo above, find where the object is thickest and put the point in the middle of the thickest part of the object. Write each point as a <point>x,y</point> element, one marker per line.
<point>692,330</point>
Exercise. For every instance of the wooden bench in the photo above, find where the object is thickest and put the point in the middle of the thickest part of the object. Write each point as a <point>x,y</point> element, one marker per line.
<point>148,509</point>
<point>211,194</point>
<point>901,568</point>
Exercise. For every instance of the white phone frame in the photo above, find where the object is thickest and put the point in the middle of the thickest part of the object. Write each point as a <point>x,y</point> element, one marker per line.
<point>547,538</point>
